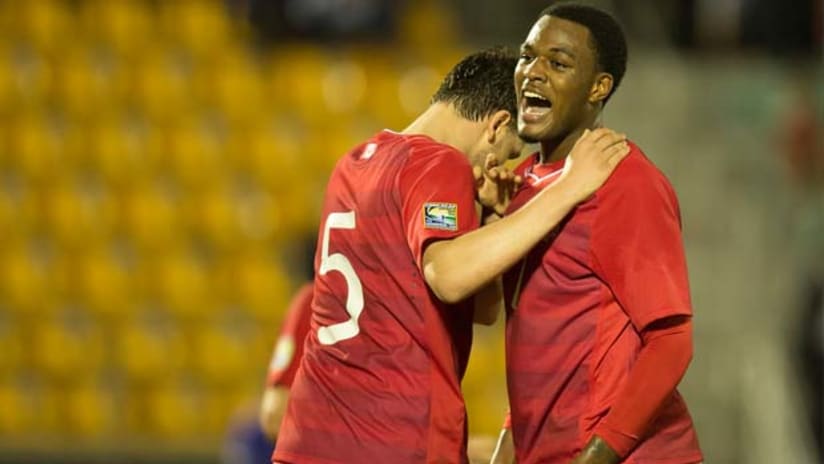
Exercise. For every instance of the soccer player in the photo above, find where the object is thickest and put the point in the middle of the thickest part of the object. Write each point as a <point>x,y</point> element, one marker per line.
<point>398,258</point>
<point>599,328</point>
<point>285,361</point>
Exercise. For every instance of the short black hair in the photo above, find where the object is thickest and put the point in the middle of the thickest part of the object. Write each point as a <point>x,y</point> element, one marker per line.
<point>610,43</point>
<point>481,84</point>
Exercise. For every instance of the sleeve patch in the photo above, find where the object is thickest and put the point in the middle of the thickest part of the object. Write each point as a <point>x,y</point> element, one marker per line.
<point>443,216</point>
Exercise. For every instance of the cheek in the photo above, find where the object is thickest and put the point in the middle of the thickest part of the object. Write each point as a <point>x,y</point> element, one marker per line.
<point>519,76</point>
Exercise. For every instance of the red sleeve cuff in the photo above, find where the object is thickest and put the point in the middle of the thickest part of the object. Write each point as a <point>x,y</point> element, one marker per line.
<point>621,443</point>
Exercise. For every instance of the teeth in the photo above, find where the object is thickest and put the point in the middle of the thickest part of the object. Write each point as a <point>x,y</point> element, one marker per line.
<point>530,94</point>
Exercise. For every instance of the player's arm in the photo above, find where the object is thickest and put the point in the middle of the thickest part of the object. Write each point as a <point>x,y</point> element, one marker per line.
<point>638,250</point>
<point>661,364</point>
<point>285,361</point>
<point>457,268</point>
<point>272,409</point>
<point>597,451</point>
<point>496,186</point>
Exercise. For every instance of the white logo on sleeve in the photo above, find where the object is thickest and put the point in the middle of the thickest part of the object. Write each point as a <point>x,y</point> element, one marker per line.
<point>284,351</point>
<point>369,151</point>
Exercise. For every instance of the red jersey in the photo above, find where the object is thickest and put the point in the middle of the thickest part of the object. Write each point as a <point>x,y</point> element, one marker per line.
<point>289,347</point>
<point>380,377</point>
<point>576,305</point>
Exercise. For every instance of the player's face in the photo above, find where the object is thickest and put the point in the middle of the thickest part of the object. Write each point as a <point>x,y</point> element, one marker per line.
<point>508,147</point>
<point>504,143</point>
<point>553,79</point>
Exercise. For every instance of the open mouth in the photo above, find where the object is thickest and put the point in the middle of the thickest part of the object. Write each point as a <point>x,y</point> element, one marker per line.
<point>533,104</point>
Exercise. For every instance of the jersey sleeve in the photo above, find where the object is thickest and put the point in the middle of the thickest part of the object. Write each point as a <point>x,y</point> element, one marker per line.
<point>289,347</point>
<point>438,197</point>
<point>637,247</point>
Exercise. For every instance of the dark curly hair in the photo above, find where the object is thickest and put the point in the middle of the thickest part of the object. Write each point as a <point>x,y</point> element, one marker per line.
<point>481,84</point>
<point>608,38</point>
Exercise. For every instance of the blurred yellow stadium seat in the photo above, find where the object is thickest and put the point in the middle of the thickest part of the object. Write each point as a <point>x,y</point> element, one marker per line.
<point>78,214</point>
<point>235,88</point>
<point>32,78</point>
<point>65,349</point>
<point>90,409</point>
<point>6,80</point>
<point>24,284</point>
<point>44,23</point>
<point>339,140</point>
<point>272,155</point>
<point>174,410</point>
<point>148,351</point>
<point>8,217</point>
<point>181,282</point>
<point>201,27</point>
<point>150,217</point>
<point>428,26</point>
<point>221,357</point>
<point>298,207</point>
<point>102,283</point>
<point>344,86</point>
<point>159,85</point>
<point>195,156</point>
<point>416,87</point>
<point>85,84</point>
<point>113,153</point>
<point>11,347</point>
<point>48,417</point>
<point>257,282</point>
<point>215,217</point>
<point>19,214</point>
<point>297,74</point>
<point>119,151</point>
<point>228,404</point>
<point>35,149</point>
<point>16,410</point>
<point>124,25</point>
<point>382,101</point>
<point>484,385</point>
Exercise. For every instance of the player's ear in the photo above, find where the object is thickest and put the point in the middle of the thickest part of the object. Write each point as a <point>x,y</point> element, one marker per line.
<point>497,125</point>
<point>601,87</point>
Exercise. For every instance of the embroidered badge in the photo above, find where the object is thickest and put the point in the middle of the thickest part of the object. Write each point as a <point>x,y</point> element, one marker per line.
<point>442,216</point>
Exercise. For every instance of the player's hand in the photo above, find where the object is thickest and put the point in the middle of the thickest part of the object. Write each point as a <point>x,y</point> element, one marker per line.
<point>495,185</point>
<point>597,451</point>
<point>593,158</point>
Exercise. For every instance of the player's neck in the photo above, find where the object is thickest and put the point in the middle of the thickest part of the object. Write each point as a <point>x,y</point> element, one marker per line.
<point>553,150</point>
<point>443,124</point>
<point>556,149</point>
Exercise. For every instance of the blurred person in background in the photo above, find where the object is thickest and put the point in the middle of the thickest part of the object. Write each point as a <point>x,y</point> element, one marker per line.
<point>599,330</point>
<point>398,259</point>
<point>285,361</point>
<point>802,147</point>
<point>288,350</point>
<point>249,440</point>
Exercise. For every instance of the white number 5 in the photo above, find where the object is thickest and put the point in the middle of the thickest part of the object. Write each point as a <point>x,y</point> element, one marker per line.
<point>345,330</point>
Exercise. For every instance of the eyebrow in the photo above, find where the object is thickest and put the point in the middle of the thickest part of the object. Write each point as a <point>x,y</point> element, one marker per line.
<point>564,50</point>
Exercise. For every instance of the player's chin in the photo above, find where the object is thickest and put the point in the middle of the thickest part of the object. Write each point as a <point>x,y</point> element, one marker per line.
<point>531,132</point>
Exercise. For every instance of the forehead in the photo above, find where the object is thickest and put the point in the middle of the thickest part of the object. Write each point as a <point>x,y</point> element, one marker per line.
<point>551,32</point>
